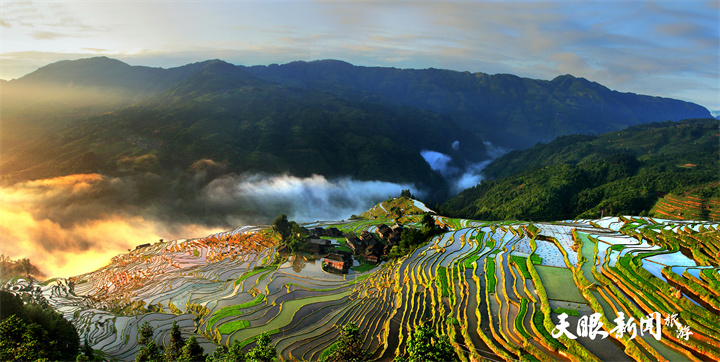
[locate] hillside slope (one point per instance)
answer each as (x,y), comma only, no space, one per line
(495,289)
(620,173)
(224,114)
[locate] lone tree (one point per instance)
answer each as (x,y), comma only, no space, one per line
(281,225)
(349,345)
(192,351)
(149,351)
(176,343)
(263,351)
(426,346)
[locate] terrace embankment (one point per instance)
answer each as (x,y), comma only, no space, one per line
(497,289)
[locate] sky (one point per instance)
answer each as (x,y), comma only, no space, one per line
(663,48)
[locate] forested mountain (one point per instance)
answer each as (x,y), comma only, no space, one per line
(504,109)
(619,173)
(324,117)
(223,113)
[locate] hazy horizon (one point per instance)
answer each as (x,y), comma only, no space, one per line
(663,48)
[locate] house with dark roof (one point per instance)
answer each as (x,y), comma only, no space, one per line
(354,243)
(367,237)
(374,252)
(384,231)
(337,261)
(331,232)
(317,245)
(396,231)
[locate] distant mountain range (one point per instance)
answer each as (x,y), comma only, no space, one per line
(325,117)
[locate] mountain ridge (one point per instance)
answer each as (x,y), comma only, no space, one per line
(254,116)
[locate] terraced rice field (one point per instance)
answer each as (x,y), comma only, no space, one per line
(228,287)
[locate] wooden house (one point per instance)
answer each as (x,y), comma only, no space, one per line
(339,261)
(384,231)
(317,245)
(396,231)
(367,237)
(331,232)
(354,243)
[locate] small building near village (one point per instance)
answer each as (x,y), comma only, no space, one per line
(354,243)
(337,262)
(331,232)
(384,231)
(373,252)
(317,245)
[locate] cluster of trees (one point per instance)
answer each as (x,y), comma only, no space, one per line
(412,238)
(424,345)
(178,348)
(618,184)
(292,235)
(623,172)
(22,267)
(263,351)
(182,350)
(30,332)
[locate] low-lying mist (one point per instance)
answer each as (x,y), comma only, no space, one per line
(74,224)
(461,177)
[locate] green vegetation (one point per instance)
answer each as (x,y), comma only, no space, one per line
(251,273)
(292,236)
(426,345)
(490,274)
(176,343)
(412,238)
(364,267)
(348,346)
(617,247)
(586,179)
(33,332)
(538,321)
(520,262)
(229,327)
(519,319)
(178,349)
(232,310)
(443,280)
(263,350)
(392,209)
(469,261)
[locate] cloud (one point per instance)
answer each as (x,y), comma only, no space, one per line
(96,50)
(74,224)
(48,35)
(302,199)
(439,162)
(461,177)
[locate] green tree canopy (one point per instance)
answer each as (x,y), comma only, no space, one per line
(34,332)
(176,343)
(281,226)
(263,351)
(349,345)
(192,351)
(425,345)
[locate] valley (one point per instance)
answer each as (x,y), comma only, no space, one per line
(495,288)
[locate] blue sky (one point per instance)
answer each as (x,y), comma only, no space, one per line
(663,48)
